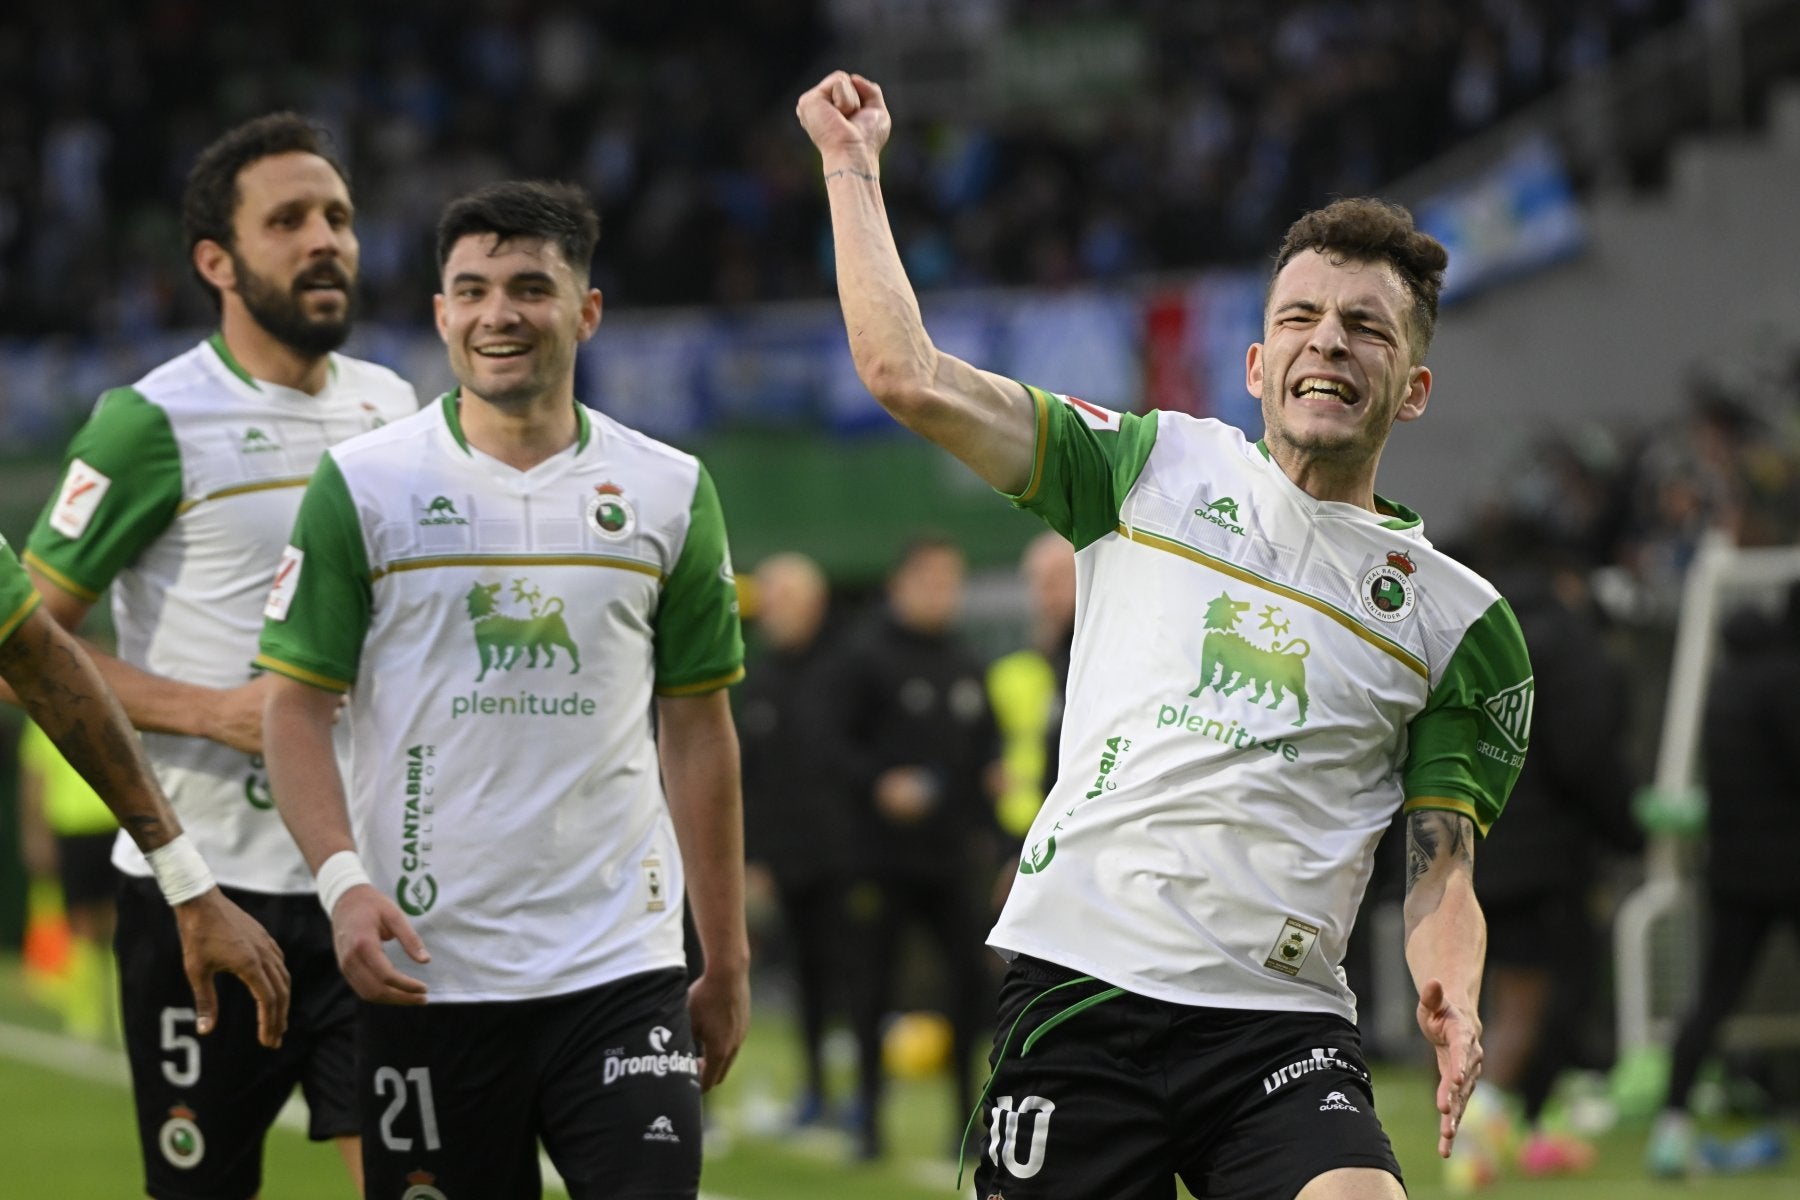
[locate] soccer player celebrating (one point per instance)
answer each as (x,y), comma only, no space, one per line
(178,492)
(509,586)
(57,684)
(1269,660)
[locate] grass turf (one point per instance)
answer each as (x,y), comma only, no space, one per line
(70,1137)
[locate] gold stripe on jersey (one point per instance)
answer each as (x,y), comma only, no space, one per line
(1445,804)
(243,489)
(705,685)
(24,610)
(518,560)
(1040,407)
(55,576)
(1399,653)
(301,674)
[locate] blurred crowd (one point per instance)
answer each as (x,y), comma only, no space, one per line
(1635,502)
(679,120)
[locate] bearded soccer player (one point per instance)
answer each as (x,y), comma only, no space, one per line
(1269,661)
(509,586)
(178,492)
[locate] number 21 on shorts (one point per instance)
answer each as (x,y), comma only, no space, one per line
(388,1081)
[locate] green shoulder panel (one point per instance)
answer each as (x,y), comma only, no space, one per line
(1081,474)
(319,609)
(1467,746)
(121,488)
(17,597)
(699,639)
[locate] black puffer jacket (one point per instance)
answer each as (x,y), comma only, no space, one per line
(1573,797)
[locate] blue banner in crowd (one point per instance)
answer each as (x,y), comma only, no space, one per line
(677,373)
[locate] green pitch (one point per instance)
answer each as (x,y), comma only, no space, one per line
(69,1131)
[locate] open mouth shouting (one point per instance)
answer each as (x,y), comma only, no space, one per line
(1322,390)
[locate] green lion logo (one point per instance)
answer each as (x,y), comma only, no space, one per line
(502,639)
(1229,662)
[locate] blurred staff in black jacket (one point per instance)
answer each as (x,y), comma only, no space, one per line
(1570,807)
(915,742)
(798,827)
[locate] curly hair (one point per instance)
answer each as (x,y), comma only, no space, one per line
(556,212)
(209,202)
(1369,230)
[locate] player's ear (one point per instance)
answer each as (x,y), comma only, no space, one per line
(592,305)
(214,264)
(1418,395)
(1253,369)
(440,314)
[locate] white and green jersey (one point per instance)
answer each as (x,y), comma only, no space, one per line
(502,634)
(1260,680)
(179,492)
(17,597)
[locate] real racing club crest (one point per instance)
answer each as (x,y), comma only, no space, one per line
(1387,592)
(422,1187)
(180,1139)
(609,514)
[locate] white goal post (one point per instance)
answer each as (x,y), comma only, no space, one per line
(1653,933)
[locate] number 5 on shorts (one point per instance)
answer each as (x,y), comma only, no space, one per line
(387,1079)
(176,1044)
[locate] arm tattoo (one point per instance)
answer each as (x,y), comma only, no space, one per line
(1433,837)
(852,172)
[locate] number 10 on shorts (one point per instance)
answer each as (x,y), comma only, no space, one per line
(1003,1134)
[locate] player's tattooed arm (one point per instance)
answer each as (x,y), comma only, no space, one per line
(58,686)
(1436,841)
(1446,947)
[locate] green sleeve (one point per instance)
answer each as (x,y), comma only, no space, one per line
(319,610)
(699,640)
(1467,746)
(17,597)
(126,451)
(1081,474)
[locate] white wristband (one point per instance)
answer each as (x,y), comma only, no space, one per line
(180,871)
(337,875)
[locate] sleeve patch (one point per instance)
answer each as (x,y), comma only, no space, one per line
(1510,713)
(287,582)
(82,490)
(1095,416)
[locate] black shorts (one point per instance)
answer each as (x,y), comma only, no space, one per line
(84,868)
(457,1096)
(1118,1098)
(204,1104)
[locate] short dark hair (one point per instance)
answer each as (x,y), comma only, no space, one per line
(1365,229)
(555,212)
(210,200)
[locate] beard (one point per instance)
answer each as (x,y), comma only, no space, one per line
(281,311)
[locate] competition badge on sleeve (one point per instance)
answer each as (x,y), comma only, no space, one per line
(82,490)
(287,579)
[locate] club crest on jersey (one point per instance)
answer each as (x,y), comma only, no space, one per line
(180,1139)
(609,514)
(1387,592)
